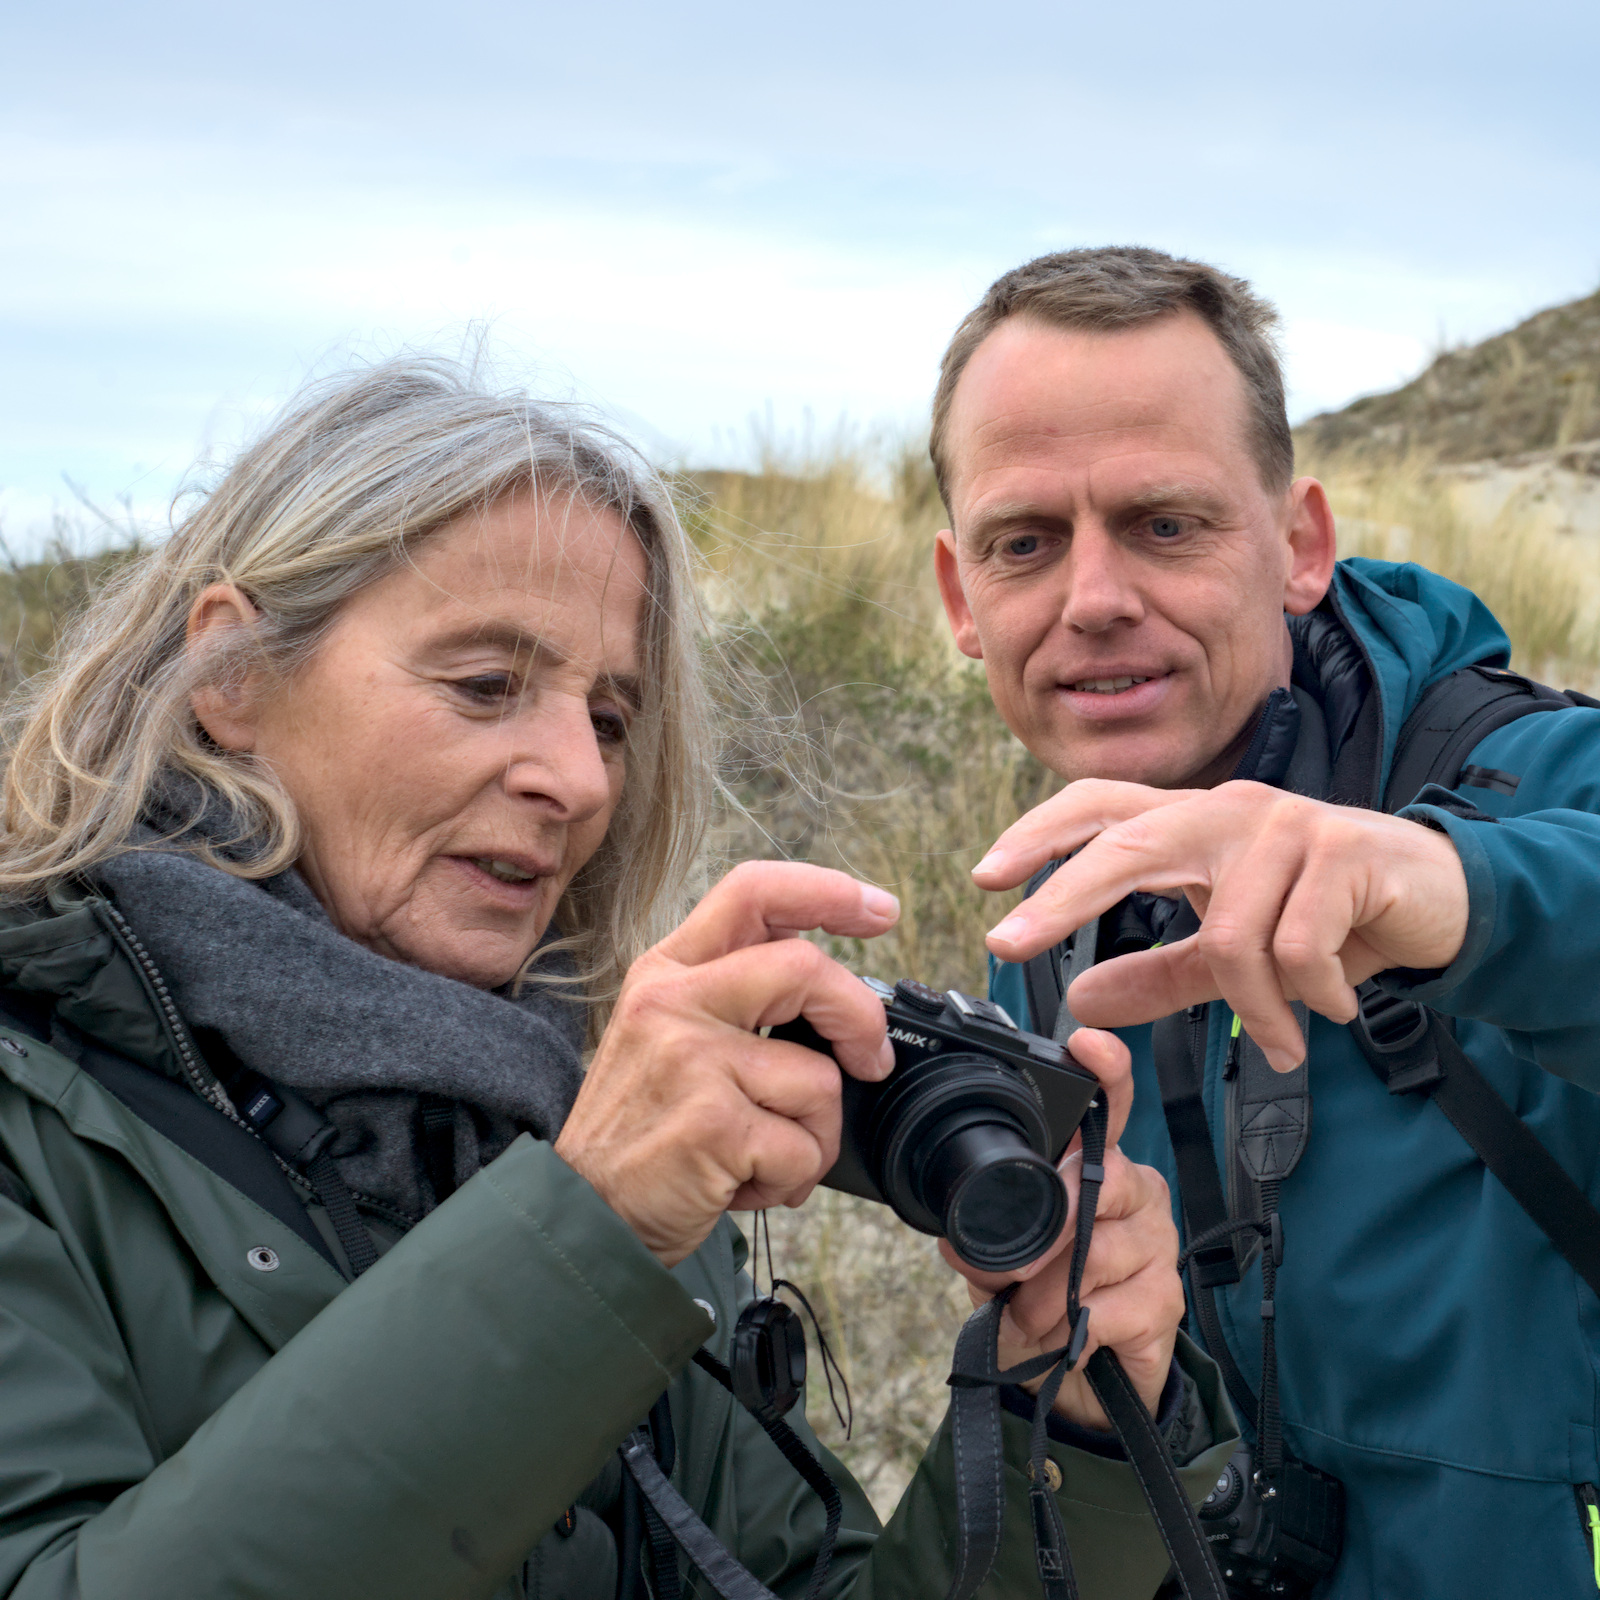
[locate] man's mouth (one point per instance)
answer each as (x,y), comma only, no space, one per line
(1105,685)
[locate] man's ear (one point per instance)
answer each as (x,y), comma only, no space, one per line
(1312,547)
(954,596)
(220,616)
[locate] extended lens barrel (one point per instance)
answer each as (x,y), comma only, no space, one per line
(1001,1203)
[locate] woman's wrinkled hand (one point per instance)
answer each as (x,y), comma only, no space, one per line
(1130,1277)
(686,1111)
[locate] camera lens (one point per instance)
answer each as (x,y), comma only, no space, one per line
(958,1146)
(1001,1203)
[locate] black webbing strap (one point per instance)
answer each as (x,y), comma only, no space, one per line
(710,1556)
(975,1442)
(1042,978)
(1205,1206)
(976,1378)
(663,1550)
(295,1131)
(672,1523)
(1181,1532)
(803,1461)
(1412,1051)
(436,1138)
(1208,1228)
(339,1203)
(1453,718)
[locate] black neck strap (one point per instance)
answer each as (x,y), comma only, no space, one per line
(976,1380)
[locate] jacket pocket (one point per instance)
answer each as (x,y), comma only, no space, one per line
(1589,1514)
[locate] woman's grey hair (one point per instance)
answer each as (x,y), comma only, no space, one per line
(347,482)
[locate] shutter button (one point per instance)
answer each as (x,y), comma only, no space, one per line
(709,1309)
(262,1258)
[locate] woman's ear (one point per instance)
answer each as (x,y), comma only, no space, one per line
(220,615)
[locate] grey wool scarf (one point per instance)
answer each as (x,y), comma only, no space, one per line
(258,970)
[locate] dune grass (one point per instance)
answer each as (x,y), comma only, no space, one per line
(821,580)
(818,579)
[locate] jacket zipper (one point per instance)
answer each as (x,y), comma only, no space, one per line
(1589,1513)
(203,1081)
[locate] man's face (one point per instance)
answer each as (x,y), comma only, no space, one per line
(1116,561)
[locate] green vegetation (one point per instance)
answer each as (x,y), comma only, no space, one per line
(820,579)
(871,744)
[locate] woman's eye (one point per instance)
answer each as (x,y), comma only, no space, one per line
(611,726)
(1166,527)
(487,688)
(1025,544)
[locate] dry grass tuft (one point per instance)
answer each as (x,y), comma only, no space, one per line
(819,577)
(822,580)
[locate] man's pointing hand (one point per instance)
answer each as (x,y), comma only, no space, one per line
(1298,900)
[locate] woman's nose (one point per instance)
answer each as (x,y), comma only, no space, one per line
(558,759)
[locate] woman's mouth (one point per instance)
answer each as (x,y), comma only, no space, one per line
(505,871)
(513,881)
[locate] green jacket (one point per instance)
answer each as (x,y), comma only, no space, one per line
(195,1403)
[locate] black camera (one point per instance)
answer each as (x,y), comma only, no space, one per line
(1281,1542)
(963,1137)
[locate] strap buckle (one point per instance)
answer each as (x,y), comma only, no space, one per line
(1396,1037)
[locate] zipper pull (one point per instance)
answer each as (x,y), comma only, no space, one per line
(1230,1065)
(1589,1510)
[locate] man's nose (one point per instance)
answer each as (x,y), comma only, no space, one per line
(1101,592)
(557,759)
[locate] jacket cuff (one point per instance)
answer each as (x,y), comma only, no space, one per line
(1465,832)
(1194,1416)
(1175,1401)
(592,1243)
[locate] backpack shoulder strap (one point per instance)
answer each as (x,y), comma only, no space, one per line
(1410,1047)
(1413,1051)
(1456,715)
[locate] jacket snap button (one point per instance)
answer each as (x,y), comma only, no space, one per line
(709,1309)
(262,1258)
(15,1048)
(1052,1474)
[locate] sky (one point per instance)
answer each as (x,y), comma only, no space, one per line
(719,223)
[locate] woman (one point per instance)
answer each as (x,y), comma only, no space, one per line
(330,838)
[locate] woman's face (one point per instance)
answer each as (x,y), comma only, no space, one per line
(457,746)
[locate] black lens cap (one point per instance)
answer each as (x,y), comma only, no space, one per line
(919,996)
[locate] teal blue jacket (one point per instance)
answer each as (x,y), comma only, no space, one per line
(1436,1354)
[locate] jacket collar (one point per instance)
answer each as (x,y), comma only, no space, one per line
(70,952)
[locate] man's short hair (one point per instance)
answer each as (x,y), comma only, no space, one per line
(1112,288)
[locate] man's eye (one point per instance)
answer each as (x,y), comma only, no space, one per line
(1166,527)
(1025,544)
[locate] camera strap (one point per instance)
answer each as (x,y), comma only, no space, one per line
(976,1380)
(1274,1128)
(669,1512)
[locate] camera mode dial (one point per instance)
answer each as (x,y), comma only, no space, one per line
(920,996)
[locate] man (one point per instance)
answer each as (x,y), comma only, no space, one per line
(1158,608)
